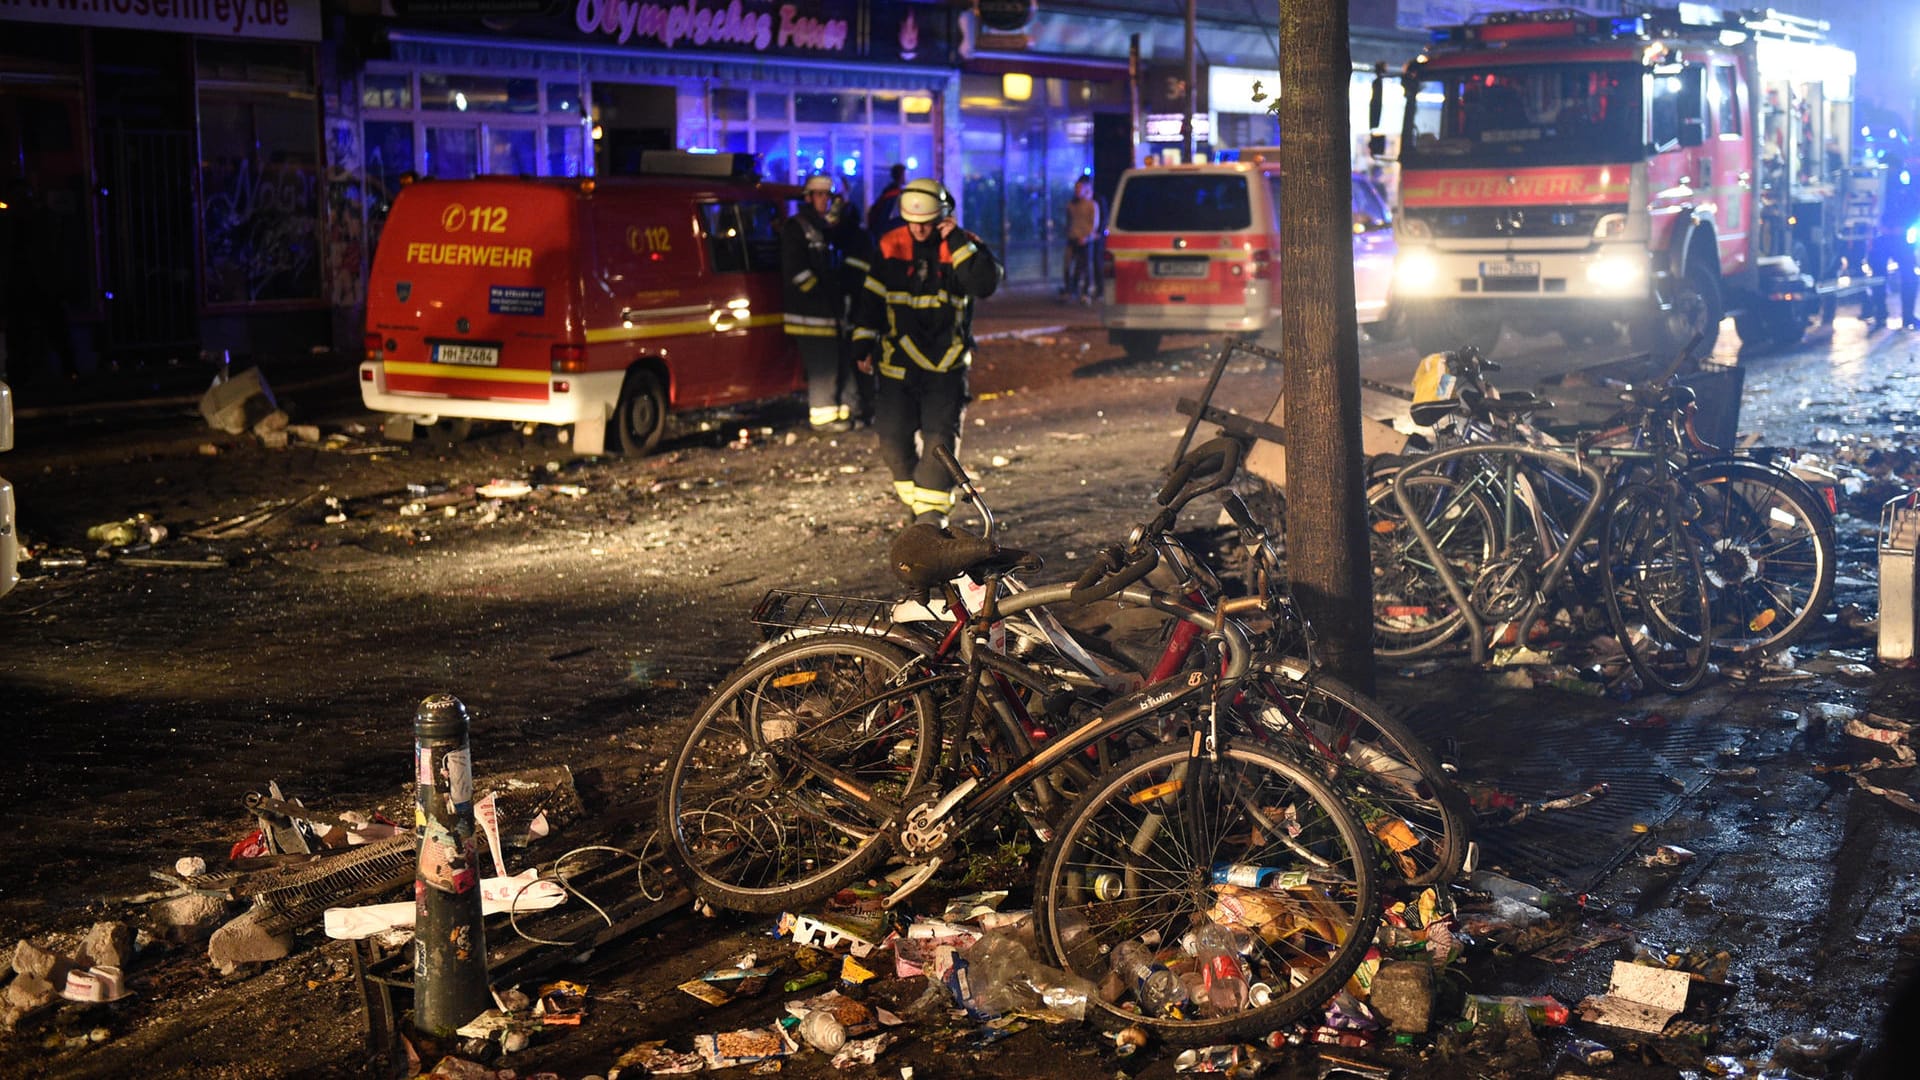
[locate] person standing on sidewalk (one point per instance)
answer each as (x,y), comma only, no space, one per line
(913,325)
(1894,246)
(815,306)
(1083,231)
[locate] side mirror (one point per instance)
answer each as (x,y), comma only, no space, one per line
(1374,100)
(1693,105)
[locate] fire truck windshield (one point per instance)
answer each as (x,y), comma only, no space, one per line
(1514,115)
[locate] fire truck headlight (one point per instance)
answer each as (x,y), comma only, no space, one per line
(1414,273)
(1413,228)
(1610,226)
(1617,274)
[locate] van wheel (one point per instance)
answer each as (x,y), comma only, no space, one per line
(641,417)
(1141,344)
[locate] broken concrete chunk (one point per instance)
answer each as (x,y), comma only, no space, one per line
(245,941)
(190,918)
(108,944)
(233,405)
(29,992)
(31,959)
(1402,993)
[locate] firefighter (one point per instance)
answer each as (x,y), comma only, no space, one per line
(1894,246)
(912,325)
(815,306)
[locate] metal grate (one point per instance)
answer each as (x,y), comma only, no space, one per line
(298,896)
(1535,750)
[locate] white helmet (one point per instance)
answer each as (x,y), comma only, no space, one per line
(818,182)
(924,200)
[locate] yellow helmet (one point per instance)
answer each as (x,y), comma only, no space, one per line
(924,200)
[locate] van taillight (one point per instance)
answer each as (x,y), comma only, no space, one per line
(569,358)
(373,347)
(1262,264)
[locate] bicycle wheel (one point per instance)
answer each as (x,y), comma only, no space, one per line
(1163,844)
(1656,588)
(1413,612)
(1390,777)
(757,830)
(1768,546)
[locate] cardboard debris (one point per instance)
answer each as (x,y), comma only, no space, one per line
(1638,998)
(817,932)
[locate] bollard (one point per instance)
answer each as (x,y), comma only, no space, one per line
(450,942)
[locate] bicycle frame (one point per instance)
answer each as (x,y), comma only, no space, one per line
(1555,569)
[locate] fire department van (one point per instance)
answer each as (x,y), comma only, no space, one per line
(600,304)
(1195,249)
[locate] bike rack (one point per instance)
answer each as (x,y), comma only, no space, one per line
(1559,459)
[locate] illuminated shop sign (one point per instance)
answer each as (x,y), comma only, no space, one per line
(691,22)
(290,20)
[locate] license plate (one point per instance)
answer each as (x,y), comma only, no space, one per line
(1193,266)
(1510,269)
(467,355)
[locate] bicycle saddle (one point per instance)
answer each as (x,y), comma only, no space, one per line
(927,556)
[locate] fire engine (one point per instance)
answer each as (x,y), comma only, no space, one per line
(1571,172)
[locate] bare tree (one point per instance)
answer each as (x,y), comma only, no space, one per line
(1326,512)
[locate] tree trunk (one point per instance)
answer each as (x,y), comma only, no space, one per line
(1326,511)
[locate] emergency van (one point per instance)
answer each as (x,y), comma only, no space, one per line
(1194,249)
(601,304)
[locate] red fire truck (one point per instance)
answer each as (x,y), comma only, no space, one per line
(1580,173)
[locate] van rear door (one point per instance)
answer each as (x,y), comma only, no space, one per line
(1187,237)
(471,288)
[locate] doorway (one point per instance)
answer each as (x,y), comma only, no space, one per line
(630,118)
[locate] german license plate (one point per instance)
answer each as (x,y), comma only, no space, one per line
(1510,269)
(1187,266)
(467,355)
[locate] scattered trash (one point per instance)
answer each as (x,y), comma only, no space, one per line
(1543,1011)
(1668,855)
(1235,1058)
(138,529)
(504,489)
(1638,998)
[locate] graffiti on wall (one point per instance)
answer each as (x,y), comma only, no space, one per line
(262,231)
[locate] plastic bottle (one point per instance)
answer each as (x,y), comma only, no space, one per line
(1158,990)
(1225,975)
(1491,1009)
(1250,876)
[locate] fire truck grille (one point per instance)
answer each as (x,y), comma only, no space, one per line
(1517,222)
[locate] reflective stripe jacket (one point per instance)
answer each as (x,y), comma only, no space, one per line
(813,293)
(917,300)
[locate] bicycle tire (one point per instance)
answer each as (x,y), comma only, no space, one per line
(1382,766)
(1767,542)
(1413,613)
(756,832)
(1129,838)
(1656,588)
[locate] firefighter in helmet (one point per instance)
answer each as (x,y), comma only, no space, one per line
(815,305)
(913,327)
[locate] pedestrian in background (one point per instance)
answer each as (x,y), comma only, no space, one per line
(913,326)
(815,306)
(1895,245)
(849,235)
(884,213)
(1083,231)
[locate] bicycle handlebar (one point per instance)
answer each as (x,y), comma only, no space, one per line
(1118,568)
(1214,461)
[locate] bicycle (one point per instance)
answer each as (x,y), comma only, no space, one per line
(1501,497)
(811,764)
(1766,537)
(1404,795)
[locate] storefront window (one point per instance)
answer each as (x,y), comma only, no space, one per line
(389,156)
(260,192)
(729,104)
(386,92)
(510,151)
(830,108)
(566,147)
(769,106)
(776,159)
(478,93)
(453,152)
(563,97)
(43,136)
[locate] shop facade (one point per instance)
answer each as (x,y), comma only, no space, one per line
(850,87)
(162,173)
